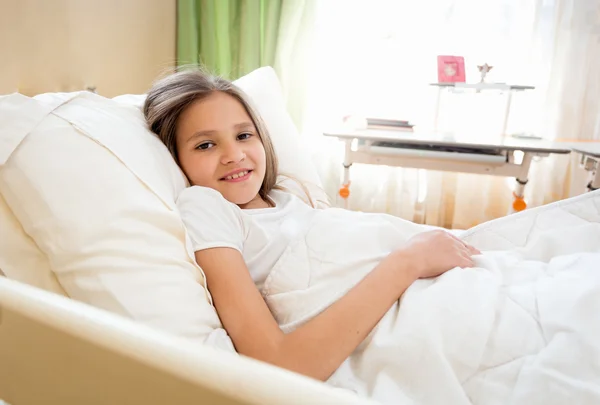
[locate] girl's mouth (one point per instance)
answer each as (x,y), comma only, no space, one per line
(237,177)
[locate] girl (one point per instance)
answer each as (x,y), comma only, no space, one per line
(244,226)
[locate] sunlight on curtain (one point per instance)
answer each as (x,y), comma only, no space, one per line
(377,58)
(231,37)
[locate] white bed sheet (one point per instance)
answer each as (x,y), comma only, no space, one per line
(523,327)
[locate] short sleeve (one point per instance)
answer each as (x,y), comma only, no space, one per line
(211,221)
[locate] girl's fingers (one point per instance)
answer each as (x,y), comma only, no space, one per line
(465,251)
(467,262)
(472,250)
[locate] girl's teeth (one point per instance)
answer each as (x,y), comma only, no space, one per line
(235,176)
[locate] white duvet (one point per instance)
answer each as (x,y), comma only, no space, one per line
(523,327)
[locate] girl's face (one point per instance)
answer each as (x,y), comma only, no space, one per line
(218,147)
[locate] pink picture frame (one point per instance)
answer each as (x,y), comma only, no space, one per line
(451,69)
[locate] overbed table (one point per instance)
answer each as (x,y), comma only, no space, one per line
(493,156)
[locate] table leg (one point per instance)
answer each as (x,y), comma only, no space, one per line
(344,191)
(594,184)
(519,203)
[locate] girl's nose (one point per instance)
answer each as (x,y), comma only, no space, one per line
(233,154)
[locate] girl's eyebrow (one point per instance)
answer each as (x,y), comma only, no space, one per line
(212,132)
(200,134)
(243,125)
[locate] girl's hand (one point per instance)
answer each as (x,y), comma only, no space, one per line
(435,252)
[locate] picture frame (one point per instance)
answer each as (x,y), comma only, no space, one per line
(451,69)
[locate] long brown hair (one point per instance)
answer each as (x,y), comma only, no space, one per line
(171,95)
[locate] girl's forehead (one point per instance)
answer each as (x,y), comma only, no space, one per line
(220,106)
(218,112)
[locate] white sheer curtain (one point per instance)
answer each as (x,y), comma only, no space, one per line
(377,57)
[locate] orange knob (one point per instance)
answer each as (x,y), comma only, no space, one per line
(344,191)
(519,204)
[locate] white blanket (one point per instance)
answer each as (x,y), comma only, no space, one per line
(521,328)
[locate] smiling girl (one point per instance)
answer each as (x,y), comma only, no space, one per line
(243,224)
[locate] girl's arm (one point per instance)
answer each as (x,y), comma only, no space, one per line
(319,347)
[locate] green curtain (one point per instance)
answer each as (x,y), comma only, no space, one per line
(228,37)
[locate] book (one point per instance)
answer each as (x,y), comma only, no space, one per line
(383,122)
(390,128)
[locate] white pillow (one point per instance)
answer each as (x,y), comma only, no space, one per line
(90,195)
(20,257)
(110,231)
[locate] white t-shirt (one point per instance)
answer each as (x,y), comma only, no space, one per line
(260,235)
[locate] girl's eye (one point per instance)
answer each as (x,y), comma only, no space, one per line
(244,136)
(205,146)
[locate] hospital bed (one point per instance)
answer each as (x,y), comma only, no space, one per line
(54,350)
(103,302)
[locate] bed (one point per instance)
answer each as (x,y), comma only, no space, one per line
(54,350)
(103,301)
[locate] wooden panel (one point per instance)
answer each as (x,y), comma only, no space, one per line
(118,46)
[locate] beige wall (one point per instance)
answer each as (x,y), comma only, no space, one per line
(118,46)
